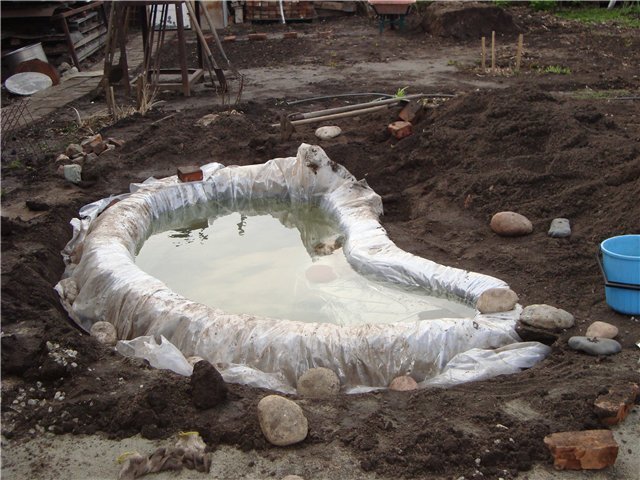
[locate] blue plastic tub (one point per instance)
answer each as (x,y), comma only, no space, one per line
(621,268)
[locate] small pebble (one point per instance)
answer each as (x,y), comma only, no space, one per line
(511,224)
(318,382)
(560,228)
(403,383)
(602,330)
(327,133)
(497,300)
(595,346)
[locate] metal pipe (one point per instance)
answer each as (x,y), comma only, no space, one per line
(348,108)
(353,113)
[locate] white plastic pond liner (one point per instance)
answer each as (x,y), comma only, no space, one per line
(102,283)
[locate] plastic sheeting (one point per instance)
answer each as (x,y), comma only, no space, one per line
(102,283)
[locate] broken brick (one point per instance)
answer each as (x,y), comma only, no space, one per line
(190,173)
(257,36)
(614,407)
(229,38)
(94,144)
(586,450)
(115,141)
(400,129)
(412,112)
(290,35)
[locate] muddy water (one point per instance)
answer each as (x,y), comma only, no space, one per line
(276,261)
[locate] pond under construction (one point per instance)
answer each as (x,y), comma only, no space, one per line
(278,260)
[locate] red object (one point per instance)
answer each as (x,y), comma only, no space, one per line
(400,129)
(586,450)
(190,173)
(257,36)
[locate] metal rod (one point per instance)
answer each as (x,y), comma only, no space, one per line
(353,113)
(348,108)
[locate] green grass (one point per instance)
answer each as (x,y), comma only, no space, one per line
(557,69)
(629,16)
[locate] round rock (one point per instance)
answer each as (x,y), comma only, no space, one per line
(318,383)
(510,224)
(282,421)
(602,330)
(560,228)
(327,133)
(546,316)
(595,346)
(320,274)
(497,300)
(403,383)
(105,333)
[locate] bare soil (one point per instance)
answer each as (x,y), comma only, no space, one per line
(541,144)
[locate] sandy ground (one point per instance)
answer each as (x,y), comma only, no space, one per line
(71,457)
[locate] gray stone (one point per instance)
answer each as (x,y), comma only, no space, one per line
(510,224)
(318,383)
(546,316)
(595,346)
(497,300)
(73,173)
(73,149)
(293,477)
(90,158)
(559,228)
(327,133)
(403,383)
(282,421)
(105,333)
(602,330)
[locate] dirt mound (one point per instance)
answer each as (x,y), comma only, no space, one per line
(464,21)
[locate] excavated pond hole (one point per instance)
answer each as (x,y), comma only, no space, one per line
(277,260)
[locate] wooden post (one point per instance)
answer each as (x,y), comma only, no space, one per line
(484,55)
(493,52)
(112,100)
(519,52)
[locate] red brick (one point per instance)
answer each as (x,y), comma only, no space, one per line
(229,38)
(190,173)
(614,407)
(254,37)
(586,450)
(400,129)
(95,146)
(290,35)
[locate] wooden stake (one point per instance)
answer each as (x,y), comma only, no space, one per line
(519,52)
(493,52)
(484,55)
(112,99)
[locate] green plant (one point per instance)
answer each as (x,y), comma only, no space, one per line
(557,69)
(540,5)
(502,3)
(15,164)
(401,92)
(629,15)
